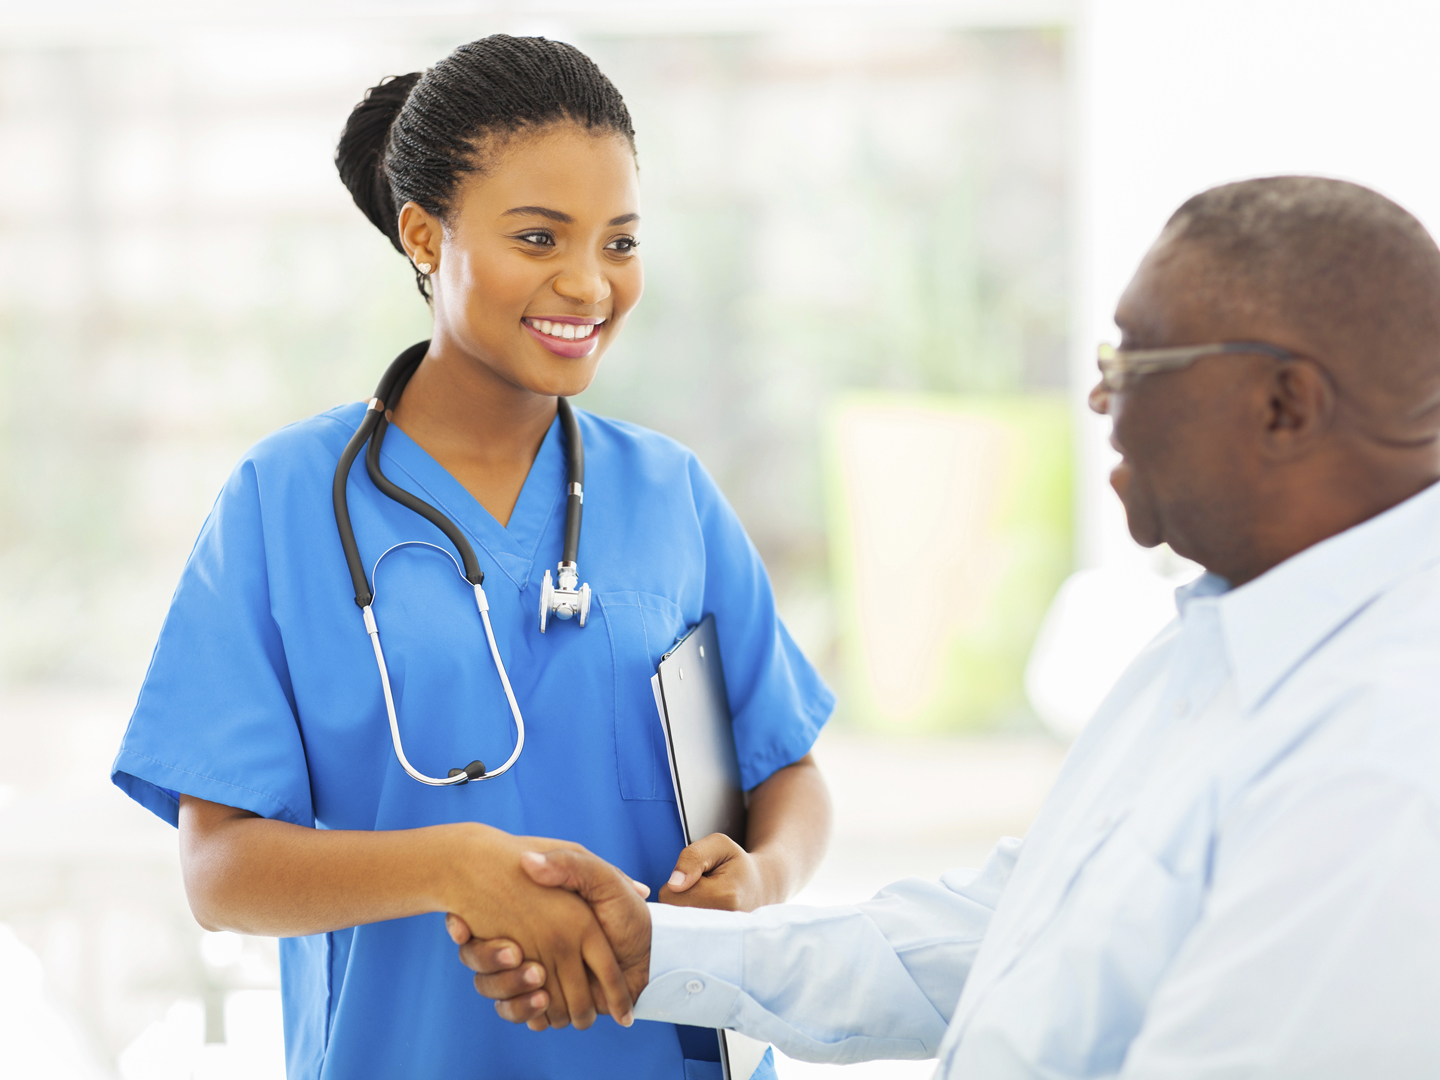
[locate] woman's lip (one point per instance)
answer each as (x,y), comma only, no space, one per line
(572,319)
(571,350)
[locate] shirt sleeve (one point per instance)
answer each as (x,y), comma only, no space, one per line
(1318,952)
(778,701)
(216,714)
(841,984)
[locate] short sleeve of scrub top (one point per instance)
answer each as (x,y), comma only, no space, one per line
(263,694)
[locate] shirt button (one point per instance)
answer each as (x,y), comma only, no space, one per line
(694,986)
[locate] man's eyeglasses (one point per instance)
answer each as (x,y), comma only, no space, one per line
(1119,366)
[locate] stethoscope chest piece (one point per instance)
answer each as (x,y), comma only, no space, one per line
(566,600)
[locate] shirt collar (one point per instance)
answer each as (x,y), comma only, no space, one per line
(1207,584)
(1273,623)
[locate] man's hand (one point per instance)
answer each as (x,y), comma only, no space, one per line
(496,894)
(716,872)
(618,905)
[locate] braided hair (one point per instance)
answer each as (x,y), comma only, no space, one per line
(413,136)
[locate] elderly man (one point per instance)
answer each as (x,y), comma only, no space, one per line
(1238,871)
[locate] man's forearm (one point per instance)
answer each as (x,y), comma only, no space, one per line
(877,979)
(822,984)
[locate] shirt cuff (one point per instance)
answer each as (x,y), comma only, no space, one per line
(697,959)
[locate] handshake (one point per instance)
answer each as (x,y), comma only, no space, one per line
(575,967)
(559,936)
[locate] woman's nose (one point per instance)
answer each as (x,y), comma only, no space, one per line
(583,283)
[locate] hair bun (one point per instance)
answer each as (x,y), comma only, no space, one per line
(360,155)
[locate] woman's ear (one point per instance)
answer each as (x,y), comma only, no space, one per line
(420,233)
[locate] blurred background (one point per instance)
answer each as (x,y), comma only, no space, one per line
(881,242)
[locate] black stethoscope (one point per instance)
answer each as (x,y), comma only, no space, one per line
(565,599)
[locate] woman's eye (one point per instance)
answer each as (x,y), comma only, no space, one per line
(623,244)
(541,238)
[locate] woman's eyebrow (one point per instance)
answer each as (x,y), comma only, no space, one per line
(561,216)
(540,211)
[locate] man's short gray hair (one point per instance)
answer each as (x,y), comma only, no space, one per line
(1355,274)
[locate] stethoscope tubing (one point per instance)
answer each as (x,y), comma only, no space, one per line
(372,628)
(399,369)
(369,436)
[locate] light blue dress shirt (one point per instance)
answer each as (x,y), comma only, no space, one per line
(1237,873)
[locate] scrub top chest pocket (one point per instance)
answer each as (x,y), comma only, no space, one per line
(642,626)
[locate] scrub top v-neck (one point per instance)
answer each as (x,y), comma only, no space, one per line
(263,695)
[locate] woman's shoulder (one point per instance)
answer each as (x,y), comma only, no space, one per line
(298,459)
(630,445)
(304,446)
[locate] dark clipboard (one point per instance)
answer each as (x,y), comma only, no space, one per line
(694,708)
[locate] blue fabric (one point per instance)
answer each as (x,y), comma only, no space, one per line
(710,1070)
(263,694)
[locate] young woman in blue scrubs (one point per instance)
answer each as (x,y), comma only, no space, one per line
(506,175)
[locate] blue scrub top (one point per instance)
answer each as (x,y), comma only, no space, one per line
(263,694)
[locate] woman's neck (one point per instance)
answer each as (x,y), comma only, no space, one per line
(482,429)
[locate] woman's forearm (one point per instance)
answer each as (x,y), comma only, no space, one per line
(788,827)
(257,876)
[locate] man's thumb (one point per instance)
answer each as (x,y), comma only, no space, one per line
(568,870)
(546,871)
(580,873)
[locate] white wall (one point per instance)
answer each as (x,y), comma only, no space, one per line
(1172,97)
(1179,95)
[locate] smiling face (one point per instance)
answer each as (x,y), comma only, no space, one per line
(1243,459)
(1192,441)
(536,267)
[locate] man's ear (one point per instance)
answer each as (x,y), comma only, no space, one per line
(420,234)
(1301,406)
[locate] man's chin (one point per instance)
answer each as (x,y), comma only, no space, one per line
(1142,526)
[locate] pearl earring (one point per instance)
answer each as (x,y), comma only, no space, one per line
(424,268)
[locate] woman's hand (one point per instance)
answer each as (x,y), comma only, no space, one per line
(716,872)
(554,928)
(257,876)
(713,872)
(788,827)
(517,984)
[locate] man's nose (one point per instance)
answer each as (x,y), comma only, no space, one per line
(1099,398)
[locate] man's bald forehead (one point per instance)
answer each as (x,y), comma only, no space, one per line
(1352,274)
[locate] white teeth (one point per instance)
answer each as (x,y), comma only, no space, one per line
(564,331)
